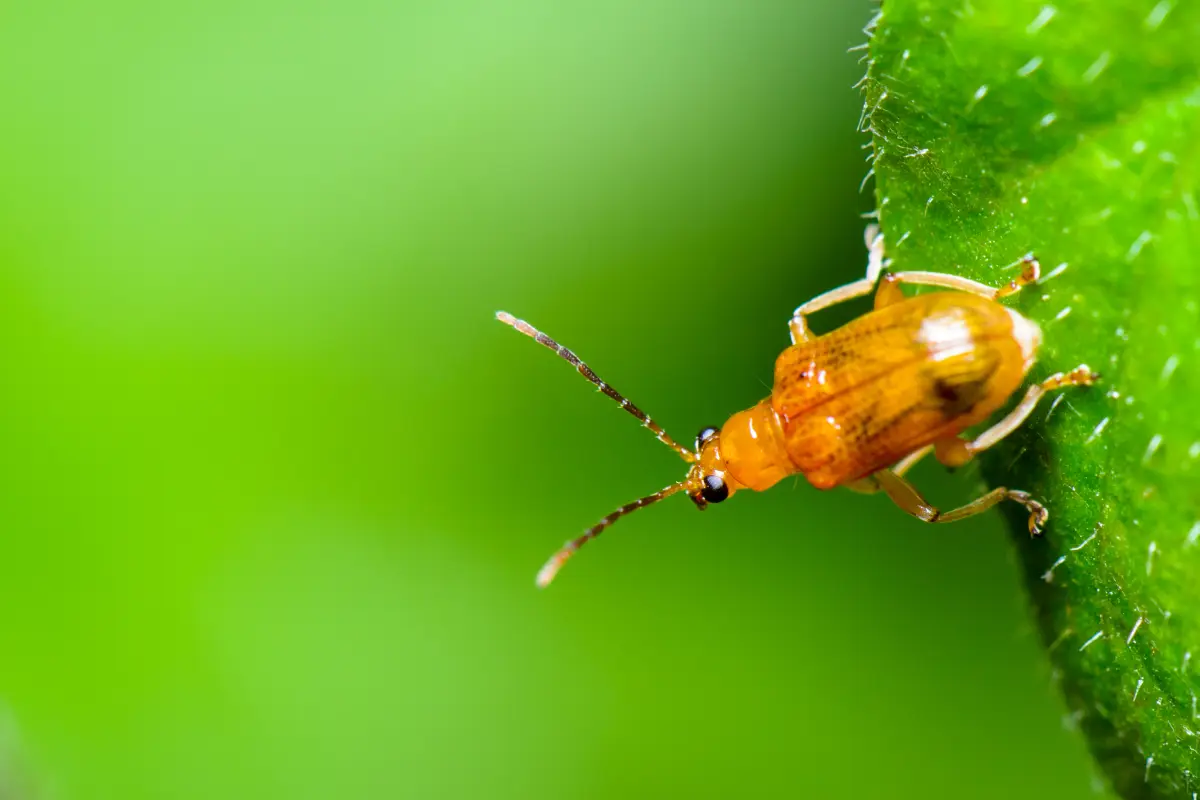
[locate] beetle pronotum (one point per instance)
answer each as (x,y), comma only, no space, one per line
(858,406)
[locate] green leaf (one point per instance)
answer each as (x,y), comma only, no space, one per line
(1001,127)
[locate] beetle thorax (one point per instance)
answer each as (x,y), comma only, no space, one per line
(748,452)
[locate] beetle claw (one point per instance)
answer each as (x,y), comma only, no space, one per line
(1038,514)
(1037,517)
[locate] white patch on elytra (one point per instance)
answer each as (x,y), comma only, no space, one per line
(1028,336)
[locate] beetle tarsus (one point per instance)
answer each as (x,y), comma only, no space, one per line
(1031,272)
(1038,513)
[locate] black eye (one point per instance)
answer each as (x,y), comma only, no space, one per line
(714,490)
(705,435)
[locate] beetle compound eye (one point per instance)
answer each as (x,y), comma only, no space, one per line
(714,490)
(704,435)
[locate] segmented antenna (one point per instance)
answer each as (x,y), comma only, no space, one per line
(547,573)
(586,371)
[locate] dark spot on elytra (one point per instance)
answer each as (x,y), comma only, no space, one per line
(945,391)
(957,397)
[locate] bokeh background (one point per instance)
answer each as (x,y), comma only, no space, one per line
(275,484)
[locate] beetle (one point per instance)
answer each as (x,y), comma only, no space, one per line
(859,406)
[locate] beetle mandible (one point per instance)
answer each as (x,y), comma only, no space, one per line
(859,406)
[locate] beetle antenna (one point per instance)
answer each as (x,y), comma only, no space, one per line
(586,371)
(547,573)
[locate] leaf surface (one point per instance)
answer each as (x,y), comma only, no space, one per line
(1072,131)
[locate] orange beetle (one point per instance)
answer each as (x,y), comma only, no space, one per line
(859,406)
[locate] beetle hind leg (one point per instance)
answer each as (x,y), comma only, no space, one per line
(955,452)
(904,495)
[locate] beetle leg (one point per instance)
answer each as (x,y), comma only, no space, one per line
(874,240)
(952,451)
(955,452)
(798,325)
(905,464)
(945,281)
(869,485)
(908,499)
(1031,270)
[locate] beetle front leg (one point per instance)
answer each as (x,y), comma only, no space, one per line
(1031,270)
(798,324)
(909,499)
(955,452)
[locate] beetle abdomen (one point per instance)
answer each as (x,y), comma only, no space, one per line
(862,397)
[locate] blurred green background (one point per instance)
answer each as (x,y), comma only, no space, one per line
(275,483)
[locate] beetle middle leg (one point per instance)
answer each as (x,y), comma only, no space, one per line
(954,452)
(869,485)
(910,500)
(905,464)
